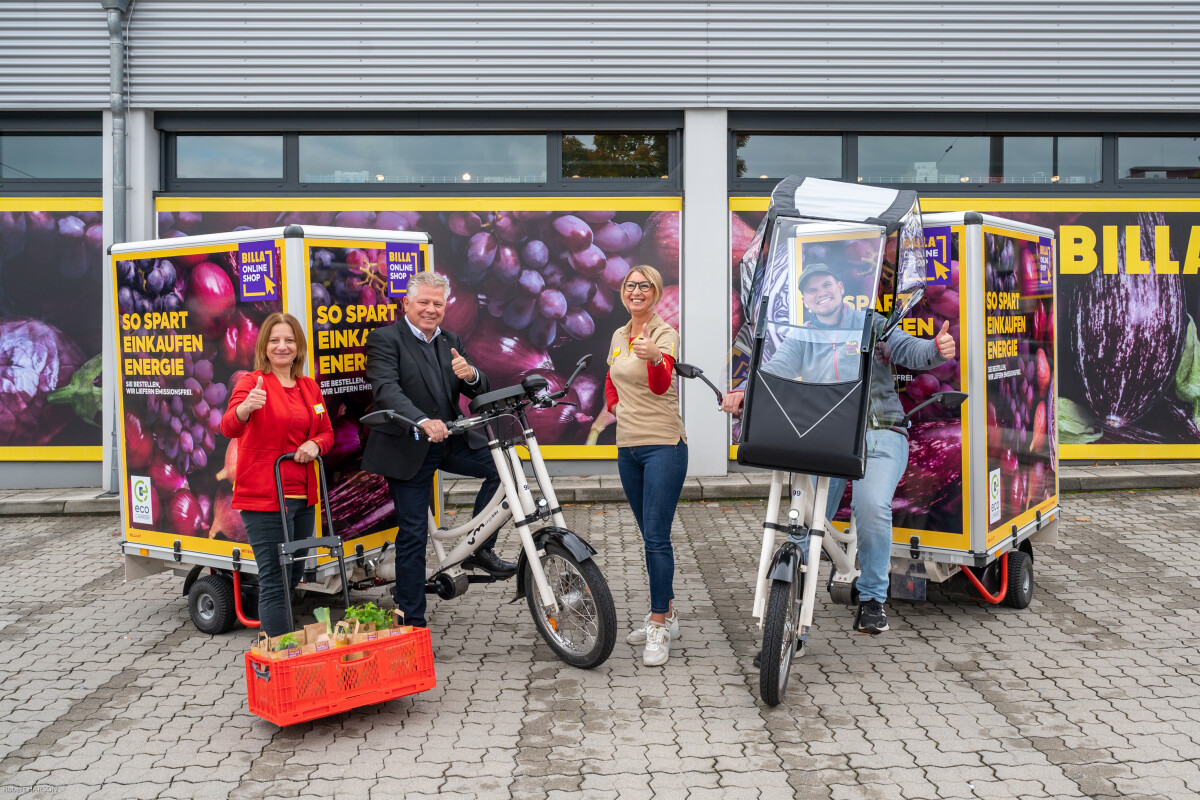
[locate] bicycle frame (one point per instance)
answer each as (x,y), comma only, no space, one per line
(842,548)
(514,493)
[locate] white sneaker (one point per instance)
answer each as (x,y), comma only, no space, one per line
(639,636)
(658,645)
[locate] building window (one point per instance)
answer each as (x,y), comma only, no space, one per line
(775,156)
(979,159)
(517,153)
(50,156)
(217,157)
(1158,158)
(423,158)
(615,155)
(922,159)
(1048,159)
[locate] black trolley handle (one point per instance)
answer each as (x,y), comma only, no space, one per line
(331,541)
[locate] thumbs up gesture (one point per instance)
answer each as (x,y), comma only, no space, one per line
(944,341)
(461,368)
(645,349)
(256,399)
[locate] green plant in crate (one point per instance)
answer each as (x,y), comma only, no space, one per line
(368,613)
(288,641)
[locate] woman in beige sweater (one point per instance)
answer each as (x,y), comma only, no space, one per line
(652,449)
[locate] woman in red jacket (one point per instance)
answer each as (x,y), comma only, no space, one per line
(276,410)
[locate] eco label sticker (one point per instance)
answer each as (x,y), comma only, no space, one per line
(403,261)
(256,271)
(994,496)
(141,500)
(937,256)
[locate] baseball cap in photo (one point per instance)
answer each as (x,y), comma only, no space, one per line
(812,271)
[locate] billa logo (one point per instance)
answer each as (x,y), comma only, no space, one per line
(256,270)
(142,505)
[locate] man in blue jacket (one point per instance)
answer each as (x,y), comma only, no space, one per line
(826,349)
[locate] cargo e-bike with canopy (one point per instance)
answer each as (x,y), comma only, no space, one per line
(808,387)
(981,483)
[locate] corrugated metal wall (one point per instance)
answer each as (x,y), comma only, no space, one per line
(53,54)
(847,54)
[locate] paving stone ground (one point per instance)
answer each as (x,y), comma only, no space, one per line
(108,691)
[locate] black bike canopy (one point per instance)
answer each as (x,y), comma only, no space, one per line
(823,247)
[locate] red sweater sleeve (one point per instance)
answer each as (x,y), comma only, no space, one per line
(231,426)
(324,435)
(610,393)
(659,377)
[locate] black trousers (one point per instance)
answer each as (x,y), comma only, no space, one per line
(412,502)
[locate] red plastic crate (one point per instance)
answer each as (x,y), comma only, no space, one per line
(307,687)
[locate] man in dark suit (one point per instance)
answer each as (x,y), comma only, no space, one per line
(419,370)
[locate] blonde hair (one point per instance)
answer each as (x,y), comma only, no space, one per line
(653,275)
(261,362)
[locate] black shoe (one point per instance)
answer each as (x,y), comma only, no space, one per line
(492,564)
(870,617)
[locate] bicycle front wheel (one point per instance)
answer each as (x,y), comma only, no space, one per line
(583,630)
(780,629)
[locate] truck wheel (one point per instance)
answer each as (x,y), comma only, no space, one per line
(1020,580)
(210,603)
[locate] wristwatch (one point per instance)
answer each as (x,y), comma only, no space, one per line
(657,363)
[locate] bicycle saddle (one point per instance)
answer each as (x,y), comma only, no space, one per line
(500,397)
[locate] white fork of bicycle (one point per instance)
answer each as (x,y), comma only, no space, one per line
(514,497)
(808,501)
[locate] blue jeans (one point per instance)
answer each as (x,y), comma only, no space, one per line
(887,456)
(264,531)
(652,477)
(412,503)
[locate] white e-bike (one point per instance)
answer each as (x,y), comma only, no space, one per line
(785,587)
(567,594)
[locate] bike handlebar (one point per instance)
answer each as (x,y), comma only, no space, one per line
(540,398)
(686,370)
(949,399)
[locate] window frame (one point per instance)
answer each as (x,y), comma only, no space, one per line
(1155,182)
(850,125)
(172,161)
(53,125)
(552,125)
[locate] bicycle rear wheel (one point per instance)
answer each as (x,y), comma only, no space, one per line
(780,629)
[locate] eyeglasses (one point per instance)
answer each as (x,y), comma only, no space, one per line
(645,286)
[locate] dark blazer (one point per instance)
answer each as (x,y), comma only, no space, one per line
(400,378)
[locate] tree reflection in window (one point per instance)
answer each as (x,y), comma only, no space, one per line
(615,155)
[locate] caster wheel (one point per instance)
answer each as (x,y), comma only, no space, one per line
(210,603)
(1020,580)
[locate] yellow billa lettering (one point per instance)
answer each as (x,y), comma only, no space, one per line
(1163,264)
(1111,245)
(1134,264)
(1078,250)
(1191,261)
